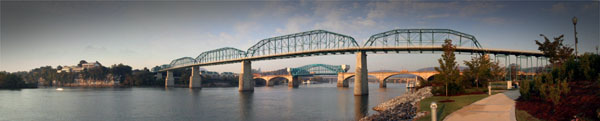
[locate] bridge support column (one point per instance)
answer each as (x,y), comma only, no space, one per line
(295,82)
(246,83)
(170,80)
(195,80)
(361,86)
(340,80)
(268,83)
(382,84)
(381,79)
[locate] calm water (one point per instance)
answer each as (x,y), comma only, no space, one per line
(308,102)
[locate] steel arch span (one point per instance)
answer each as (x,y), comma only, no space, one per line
(182,61)
(226,53)
(421,37)
(318,69)
(303,41)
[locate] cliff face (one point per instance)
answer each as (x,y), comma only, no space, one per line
(400,108)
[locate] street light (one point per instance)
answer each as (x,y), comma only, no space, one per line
(575,29)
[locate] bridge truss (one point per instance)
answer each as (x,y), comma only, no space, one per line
(310,70)
(318,42)
(318,69)
(226,53)
(304,41)
(421,37)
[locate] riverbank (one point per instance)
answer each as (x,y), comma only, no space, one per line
(400,108)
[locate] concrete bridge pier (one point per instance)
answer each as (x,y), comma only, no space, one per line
(361,86)
(170,80)
(246,82)
(381,79)
(382,83)
(341,82)
(295,82)
(195,80)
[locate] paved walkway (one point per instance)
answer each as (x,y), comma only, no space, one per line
(498,107)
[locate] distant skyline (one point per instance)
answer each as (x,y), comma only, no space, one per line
(147,34)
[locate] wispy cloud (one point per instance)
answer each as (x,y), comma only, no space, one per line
(493,20)
(435,16)
(294,24)
(559,8)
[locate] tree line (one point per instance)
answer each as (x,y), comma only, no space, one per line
(48,76)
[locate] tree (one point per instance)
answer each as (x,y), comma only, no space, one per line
(121,72)
(555,50)
(98,63)
(81,63)
(496,71)
(11,81)
(448,70)
(482,69)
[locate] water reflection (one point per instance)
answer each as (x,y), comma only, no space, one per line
(195,91)
(315,102)
(361,106)
(246,105)
(342,100)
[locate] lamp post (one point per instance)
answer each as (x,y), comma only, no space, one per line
(575,30)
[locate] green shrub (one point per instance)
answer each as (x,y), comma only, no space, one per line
(525,89)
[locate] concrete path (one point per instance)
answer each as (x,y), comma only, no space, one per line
(498,107)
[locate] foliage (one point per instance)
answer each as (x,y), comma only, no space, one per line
(481,70)
(582,100)
(555,50)
(142,78)
(96,73)
(551,88)
(448,71)
(121,71)
(81,63)
(568,89)
(11,81)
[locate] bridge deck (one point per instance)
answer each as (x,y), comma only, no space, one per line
(367,49)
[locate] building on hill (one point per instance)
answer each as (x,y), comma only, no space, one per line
(77,68)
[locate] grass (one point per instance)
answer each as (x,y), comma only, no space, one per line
(524,116)
(445,109)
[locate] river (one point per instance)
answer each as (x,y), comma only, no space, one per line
(314,102)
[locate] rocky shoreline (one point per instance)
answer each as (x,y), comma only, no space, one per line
(401,108)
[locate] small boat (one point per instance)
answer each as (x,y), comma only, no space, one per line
(59,89)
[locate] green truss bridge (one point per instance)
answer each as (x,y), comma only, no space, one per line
(322,43)
(292,74)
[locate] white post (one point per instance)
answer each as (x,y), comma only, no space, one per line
(433,107)
(509,85)
(489,89)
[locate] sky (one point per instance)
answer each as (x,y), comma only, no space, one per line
(145,34)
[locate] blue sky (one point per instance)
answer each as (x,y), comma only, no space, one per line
(145,34)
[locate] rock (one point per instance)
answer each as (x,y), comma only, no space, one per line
(401,108)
